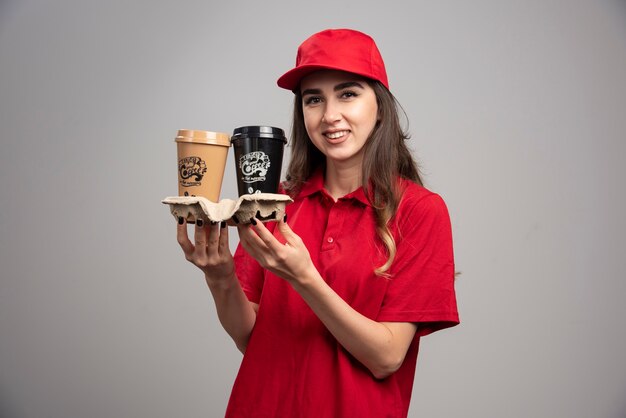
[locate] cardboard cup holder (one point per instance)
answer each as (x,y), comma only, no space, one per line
(265,207)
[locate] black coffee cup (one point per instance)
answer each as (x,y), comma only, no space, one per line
(258,158)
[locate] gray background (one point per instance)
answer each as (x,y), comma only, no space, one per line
(518,116)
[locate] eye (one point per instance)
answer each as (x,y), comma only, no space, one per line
(348,94)
(311,100)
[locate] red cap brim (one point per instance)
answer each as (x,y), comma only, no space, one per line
(291,79)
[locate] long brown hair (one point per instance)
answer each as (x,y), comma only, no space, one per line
(386,157)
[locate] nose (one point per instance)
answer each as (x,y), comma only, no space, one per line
(332,112)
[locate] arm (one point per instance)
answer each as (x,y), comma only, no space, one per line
(210,253)
(379,346)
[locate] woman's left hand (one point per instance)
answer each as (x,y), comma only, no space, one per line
(288,259)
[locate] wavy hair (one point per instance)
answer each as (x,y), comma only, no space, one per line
(385,158)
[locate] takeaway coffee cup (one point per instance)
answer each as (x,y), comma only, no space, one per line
(201,162)
(258,158)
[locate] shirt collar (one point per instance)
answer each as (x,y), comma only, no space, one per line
(315,184)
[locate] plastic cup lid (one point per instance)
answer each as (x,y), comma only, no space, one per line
(256,131)
(203,137)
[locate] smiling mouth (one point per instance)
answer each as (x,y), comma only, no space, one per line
(336,135)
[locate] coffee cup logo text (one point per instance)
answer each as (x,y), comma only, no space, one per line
(254,166)
(189,167)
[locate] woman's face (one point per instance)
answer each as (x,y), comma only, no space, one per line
(340,112)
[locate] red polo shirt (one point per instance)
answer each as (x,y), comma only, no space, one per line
(293,366)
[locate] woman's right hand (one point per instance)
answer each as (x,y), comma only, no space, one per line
(210,251)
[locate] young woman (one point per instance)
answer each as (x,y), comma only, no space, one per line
(328,305)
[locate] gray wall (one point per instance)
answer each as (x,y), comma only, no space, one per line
(518,116)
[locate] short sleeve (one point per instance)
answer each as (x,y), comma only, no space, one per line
(249,273)
(421,286)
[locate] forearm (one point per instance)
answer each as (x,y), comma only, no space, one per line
(378,346)
(381,347)
(236,314)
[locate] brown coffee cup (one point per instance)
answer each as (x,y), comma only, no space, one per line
(201,162)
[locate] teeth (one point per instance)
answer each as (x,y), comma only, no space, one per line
(335,135)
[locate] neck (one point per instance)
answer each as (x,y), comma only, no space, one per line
(342,179)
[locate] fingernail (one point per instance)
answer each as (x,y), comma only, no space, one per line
(285,218)
(252,221)
(199,223)
(223,225)
(181,220)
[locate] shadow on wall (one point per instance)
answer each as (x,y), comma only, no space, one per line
(6,6)
(6,407)
(621,7)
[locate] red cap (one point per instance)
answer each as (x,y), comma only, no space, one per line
(336,49)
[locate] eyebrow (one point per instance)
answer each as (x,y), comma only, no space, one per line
(338,87)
